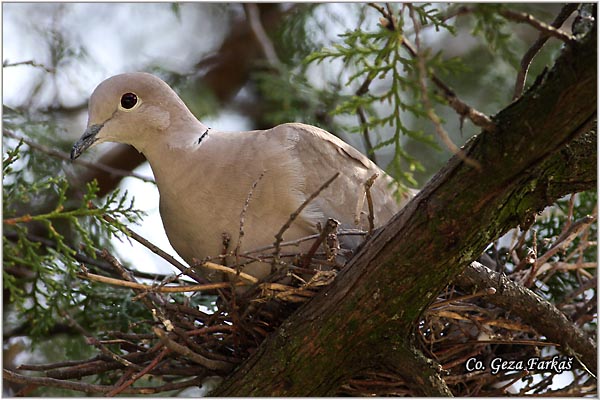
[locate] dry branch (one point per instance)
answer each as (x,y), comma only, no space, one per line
(95,389)
(231,271)
(213,365)
(294,215)
(528,57)
(437,123)
(138,375)
(330,227)
(538,25)
(156,250)
(153,288)
(371,217)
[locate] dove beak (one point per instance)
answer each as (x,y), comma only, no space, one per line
(87,139)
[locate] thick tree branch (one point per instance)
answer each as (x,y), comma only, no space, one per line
(532,309)
(366,315)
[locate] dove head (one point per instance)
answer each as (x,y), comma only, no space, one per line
(134,108)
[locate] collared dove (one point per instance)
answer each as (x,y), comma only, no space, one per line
(205,176)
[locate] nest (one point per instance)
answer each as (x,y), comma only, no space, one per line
(183,345)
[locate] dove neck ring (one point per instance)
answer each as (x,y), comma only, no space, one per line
(205,134)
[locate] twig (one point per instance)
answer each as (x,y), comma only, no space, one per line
(565,12)
(46,367)
(294,215)
(96,343)
(83,258)
(138,375)
(156,250)
(245,208)
(122,379)
(92,388)
(539,25)
(364,88)
(368,185)
(566,237)
(462,10)
(152,288)
(480,293)
(30,63)
(98,364)
(64,156)
(222,268)
(389,18)
(225,241)
(517,376)
(366,135)
(330,226)
(253,16)
(590,283)
(152,303)
(532,257)
(213,365)
(568,234)
(478,118)
(422,73)
(389,23)
(210,329)
(463,109)
(296,242)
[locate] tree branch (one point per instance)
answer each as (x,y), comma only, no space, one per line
(477,118)
(31,63)
(532,309)
(437,122)
(539,25)
(93,388)
(566,11)
(268,50)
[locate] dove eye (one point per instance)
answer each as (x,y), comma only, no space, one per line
(129,100)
